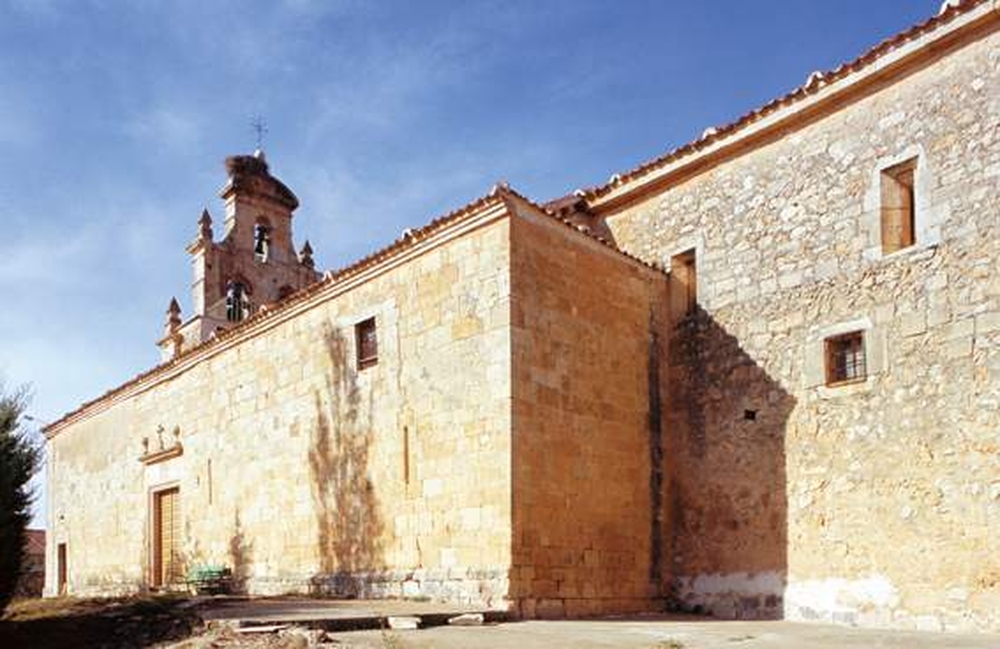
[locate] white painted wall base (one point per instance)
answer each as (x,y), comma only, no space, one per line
(843,601)
(870,601)
(734,596)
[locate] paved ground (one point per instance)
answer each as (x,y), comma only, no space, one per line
(700,634)
(652,632)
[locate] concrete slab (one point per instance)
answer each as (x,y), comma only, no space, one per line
(333,615)
(662,634)
(295,608)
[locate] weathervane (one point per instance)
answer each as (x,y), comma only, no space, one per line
(260,127)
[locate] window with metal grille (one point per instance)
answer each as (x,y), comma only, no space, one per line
(845,358)
(366,339)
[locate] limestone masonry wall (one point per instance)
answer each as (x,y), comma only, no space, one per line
(301,472)
(588,500)
(876,502)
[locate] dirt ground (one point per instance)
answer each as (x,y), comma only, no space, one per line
(70,622)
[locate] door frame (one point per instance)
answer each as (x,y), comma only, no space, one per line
(153,576)
(62,568)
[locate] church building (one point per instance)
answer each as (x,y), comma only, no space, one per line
(756,377)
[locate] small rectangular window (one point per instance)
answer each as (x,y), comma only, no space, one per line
(845,358)
(366,339)
(898,207)
(684,272)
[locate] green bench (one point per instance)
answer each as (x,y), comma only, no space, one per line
(210,580)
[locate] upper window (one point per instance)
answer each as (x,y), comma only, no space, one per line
(845,358)
(684,272)
(898,207)
(366,339)
(237,302)
(261,242)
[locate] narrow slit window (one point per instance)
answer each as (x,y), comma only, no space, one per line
(845,358)
(898,207)
(366,338)
(684,271)
(406,455)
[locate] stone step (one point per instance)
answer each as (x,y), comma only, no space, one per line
(372,622)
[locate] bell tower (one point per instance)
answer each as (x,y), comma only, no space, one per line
(253,265)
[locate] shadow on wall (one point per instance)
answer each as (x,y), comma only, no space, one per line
(727,419)
(240,556)
(349,526)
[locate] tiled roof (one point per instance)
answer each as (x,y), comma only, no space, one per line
(409,238)
(553,210)
(816,82)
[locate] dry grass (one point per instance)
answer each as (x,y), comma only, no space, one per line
(75,622)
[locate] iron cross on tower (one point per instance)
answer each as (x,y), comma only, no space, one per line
(260,128)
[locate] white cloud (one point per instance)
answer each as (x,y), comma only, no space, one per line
(165,127)
(50,254)
(62,369)
(43,258)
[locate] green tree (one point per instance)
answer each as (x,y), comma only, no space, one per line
(19,459)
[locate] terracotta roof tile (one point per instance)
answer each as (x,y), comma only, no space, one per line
(552,209)
(409,238)
(815,82)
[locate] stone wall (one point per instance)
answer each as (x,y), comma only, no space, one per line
(588,499)
(302,473)
(876,503)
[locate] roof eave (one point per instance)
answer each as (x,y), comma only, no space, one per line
(454,224)
(803,105)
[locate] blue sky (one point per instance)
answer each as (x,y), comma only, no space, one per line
(115,118)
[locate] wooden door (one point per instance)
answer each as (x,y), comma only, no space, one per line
(166,537)
(898,215)
(61,569)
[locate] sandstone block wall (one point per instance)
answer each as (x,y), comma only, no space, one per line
(588,489)
(302,473)
(429,474)
(876,503)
